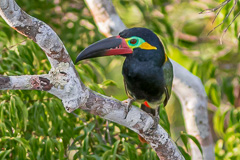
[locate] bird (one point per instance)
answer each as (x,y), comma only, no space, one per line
(147,70)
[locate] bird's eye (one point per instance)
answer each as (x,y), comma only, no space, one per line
(133,41)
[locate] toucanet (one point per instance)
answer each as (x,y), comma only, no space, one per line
(147,71)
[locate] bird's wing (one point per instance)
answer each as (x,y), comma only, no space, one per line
(168,77)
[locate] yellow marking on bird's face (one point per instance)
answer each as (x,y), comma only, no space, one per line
(147,46)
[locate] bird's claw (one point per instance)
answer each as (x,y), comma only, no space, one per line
(128,103)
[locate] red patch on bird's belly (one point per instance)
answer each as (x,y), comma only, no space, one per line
(146,104)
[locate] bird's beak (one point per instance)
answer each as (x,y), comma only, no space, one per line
(106,47)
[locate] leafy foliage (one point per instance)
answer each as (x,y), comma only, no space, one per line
(34,125)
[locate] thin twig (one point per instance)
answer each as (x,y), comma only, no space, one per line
(216,8)
(108,133)
(99,131)
(225,30)
(5,49)
(235,3)
(219,9)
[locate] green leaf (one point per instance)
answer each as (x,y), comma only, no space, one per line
(109,83)
(228,89)
(194,140)
(107,155)
(215,94)
(3,154)
(219,120)
(184,153)
(114,150)
(184,138)
(22,141)
(164,122)
(212,89)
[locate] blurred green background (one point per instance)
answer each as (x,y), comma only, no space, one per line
(34,124)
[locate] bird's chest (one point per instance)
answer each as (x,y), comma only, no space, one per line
(143,80)
(141,72)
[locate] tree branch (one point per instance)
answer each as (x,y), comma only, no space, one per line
(193,98)
(65,83)
(36,30)
(188,87)
(28,82)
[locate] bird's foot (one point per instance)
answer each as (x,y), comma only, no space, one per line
(154,126)
(128,103)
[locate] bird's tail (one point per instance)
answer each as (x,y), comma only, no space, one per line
(145,107)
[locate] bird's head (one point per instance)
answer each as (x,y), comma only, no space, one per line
(127,42)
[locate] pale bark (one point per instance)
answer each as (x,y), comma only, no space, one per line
(187,87)
(63,81)
(192,96)
(28,82)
